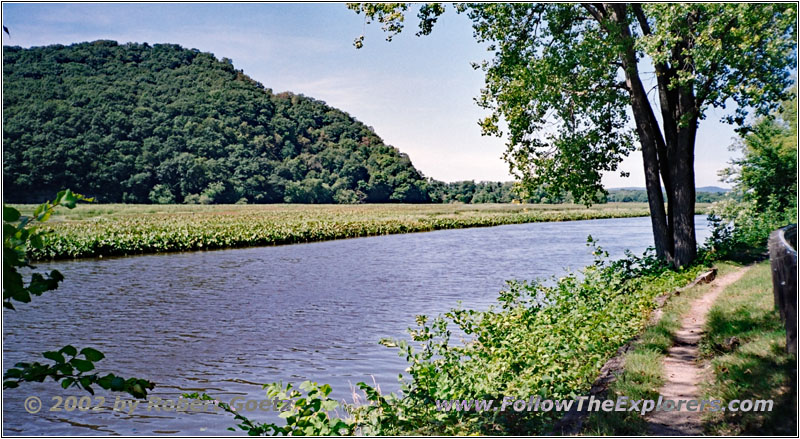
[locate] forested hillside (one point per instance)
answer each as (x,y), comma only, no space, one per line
(137,123)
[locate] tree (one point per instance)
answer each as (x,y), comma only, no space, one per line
(767,172)
(564,78)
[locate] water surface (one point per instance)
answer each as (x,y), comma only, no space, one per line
(226,321)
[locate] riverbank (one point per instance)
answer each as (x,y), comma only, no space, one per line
(735,350)
(557,349)
(92,230)
(642,374)
(540,339)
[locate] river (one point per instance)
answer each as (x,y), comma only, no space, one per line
(226,321)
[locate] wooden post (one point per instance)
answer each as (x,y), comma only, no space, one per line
(783,260)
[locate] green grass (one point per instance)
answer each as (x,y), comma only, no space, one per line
(119,229)
(757,367)
(642,376)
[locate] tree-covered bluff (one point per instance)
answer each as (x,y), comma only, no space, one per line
(140,123)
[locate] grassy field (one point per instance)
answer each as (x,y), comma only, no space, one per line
(119,229)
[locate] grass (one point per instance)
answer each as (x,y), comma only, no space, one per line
(642,376)
(117,229)
(755,365)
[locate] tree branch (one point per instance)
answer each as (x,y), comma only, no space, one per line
(596,13)
(705,89)
(640,17)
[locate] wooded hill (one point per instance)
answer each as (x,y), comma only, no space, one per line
(139,123)
(136,123)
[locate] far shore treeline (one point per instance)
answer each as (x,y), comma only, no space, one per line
(139,123)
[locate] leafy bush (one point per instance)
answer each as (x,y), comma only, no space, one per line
(766,173)
(766,178)
(161,195)
(740,227)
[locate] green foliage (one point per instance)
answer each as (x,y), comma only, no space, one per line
(72,371)
(739,51)
(161,124)
(766,178)
(20,239)
(161,195)
(767,172)
(120,230)
(756,366)
(740,228)
(306,412)
(549,340)
(470,192)
(496,192)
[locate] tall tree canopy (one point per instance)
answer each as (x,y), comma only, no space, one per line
(566,77)
(767,171)
(138,123)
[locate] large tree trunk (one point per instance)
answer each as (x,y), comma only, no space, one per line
(682,195)
(662,235)
(650,138)
(668,156)
(683,228)
(647,129)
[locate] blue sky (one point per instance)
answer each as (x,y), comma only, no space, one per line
(416,92)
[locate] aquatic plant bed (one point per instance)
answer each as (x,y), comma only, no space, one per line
(92,230)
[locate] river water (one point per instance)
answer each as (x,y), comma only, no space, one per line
(226,321)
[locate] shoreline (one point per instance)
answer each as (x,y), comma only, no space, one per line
(216,227)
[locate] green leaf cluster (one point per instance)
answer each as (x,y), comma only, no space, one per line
(767,171)
(765,179)
(72,371)
(19,240)
(307,412)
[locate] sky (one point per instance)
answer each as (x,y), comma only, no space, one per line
(416,92)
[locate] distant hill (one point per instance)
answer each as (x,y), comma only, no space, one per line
(705,194)
(712,189)
(137,123)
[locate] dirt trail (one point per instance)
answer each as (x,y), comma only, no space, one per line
(681,368)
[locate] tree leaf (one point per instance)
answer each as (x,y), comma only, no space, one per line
(81,365)
(69,350)
(117,384)
(55,356)
(92,354)
(10,214)
(12,373)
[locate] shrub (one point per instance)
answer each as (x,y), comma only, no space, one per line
(161,195)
